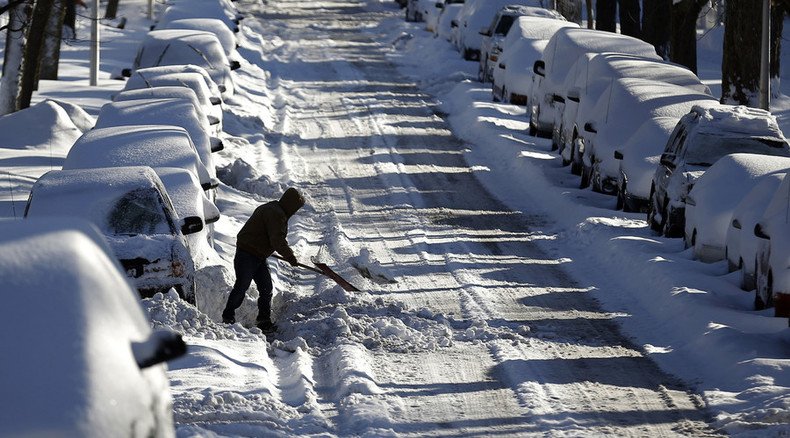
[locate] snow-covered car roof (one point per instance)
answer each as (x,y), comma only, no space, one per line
(175,112)
(619,65)
(225,36)
(137,145)
(534,28)
(168,92)
(185,47)
(484,12)
(738,119)
(198,9)
(71,369)
(146,77)
(51,121)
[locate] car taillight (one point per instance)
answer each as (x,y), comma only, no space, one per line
(178,268)
(493,57)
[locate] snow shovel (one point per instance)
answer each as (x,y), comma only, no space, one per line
(325,270)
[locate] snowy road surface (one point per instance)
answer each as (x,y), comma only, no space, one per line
(467,328)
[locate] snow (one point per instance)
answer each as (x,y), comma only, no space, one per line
(212,25)
(641,154)
(484,312)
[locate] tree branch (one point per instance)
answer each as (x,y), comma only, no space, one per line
(10,5)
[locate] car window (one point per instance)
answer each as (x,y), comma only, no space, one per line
(505,23)
(705,149)
(139,211)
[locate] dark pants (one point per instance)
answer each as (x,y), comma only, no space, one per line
(248,268)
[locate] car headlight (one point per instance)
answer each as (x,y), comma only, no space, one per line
(493,57)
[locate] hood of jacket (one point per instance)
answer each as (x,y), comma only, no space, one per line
(291,201)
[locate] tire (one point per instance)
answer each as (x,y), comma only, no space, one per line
(620,205)
(481,76)
(763,296)
(585,180)
(651,212)
(533,130)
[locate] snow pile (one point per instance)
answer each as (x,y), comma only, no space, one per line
(243,176)
(371,268)
(741,119)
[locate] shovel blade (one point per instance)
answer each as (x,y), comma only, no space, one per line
(334,276)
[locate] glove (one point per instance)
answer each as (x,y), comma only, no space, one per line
(292,260)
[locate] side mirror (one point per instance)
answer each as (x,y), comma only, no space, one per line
(216,144)
(127,72)
(759,231)
(214,183)
(213,120)
(690,201)
(212,219)
(502,66)
(736,224)
(539,68)
(667,159)
(573,94)
(161,346)
(484,31)
(454,23)
(235,65)
(191,225)
(439,5)
(590,127)
(221,88)
(558,99)
(215,100)
(618,155)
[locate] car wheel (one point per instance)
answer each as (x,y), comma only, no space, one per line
(533,130)
(651,211)
(585,181)
(620,205)
(480,73)
(763,297)
(595,180)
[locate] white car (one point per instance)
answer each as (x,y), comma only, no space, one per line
(620,110)
(183,71)
(85,361)
(563,49)
(710,204)
(225,36)
(479,20)
(209,121)
(186,47)
(201,9)
(172,112)
(638,160)
(130,206)
(139,145)
(444,28)
(495,34)
(773,254)
(741,243)
(512,78)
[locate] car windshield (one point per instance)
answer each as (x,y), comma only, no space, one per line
(139,211)
(708,148)
(505,23)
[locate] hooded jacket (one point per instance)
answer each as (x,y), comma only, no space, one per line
(265,231)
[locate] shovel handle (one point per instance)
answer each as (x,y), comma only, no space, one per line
(301,265)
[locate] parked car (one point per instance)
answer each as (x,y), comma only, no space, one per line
(85,361)
(186,47)
(773,254)
(479,21)
(152,78)
(712,201)
(620,109)
(513,58)
(209,122)
(638,160)
(171,112)
(183,72)
(201,9)
(211,25)
(434,10)
(139,145)
(498,29)
(132,209)
(563,49)
(741,243)
(590,76)
(415,10)
(702,137)
(444,27)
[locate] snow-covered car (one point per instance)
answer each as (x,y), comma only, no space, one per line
(186,47)
(702,137)
(444,27)
(211,25)
(139,145)
(495,34)
(772,270)
(563,49)
(741,243)
(173,112)
(85,361)
(512,78)
(479,21)
(205,89)
(189,199)
(712,201)
(621,108)
(210,122)
(434,10)
(130,206)
(414,10)
(201,9)
(589,77)
(638,160)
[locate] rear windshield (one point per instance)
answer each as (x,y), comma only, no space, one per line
(707,148)
(139,211)
(505,23)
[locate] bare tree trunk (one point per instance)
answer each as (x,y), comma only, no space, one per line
(630,18)
(590,14)
(12,63)
(50,57)
(656,18)
(740,75)
(778,10)
(112,9)
(32,54)
(605,15)
(683,39)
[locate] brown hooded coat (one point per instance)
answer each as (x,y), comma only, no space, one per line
(266,229)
